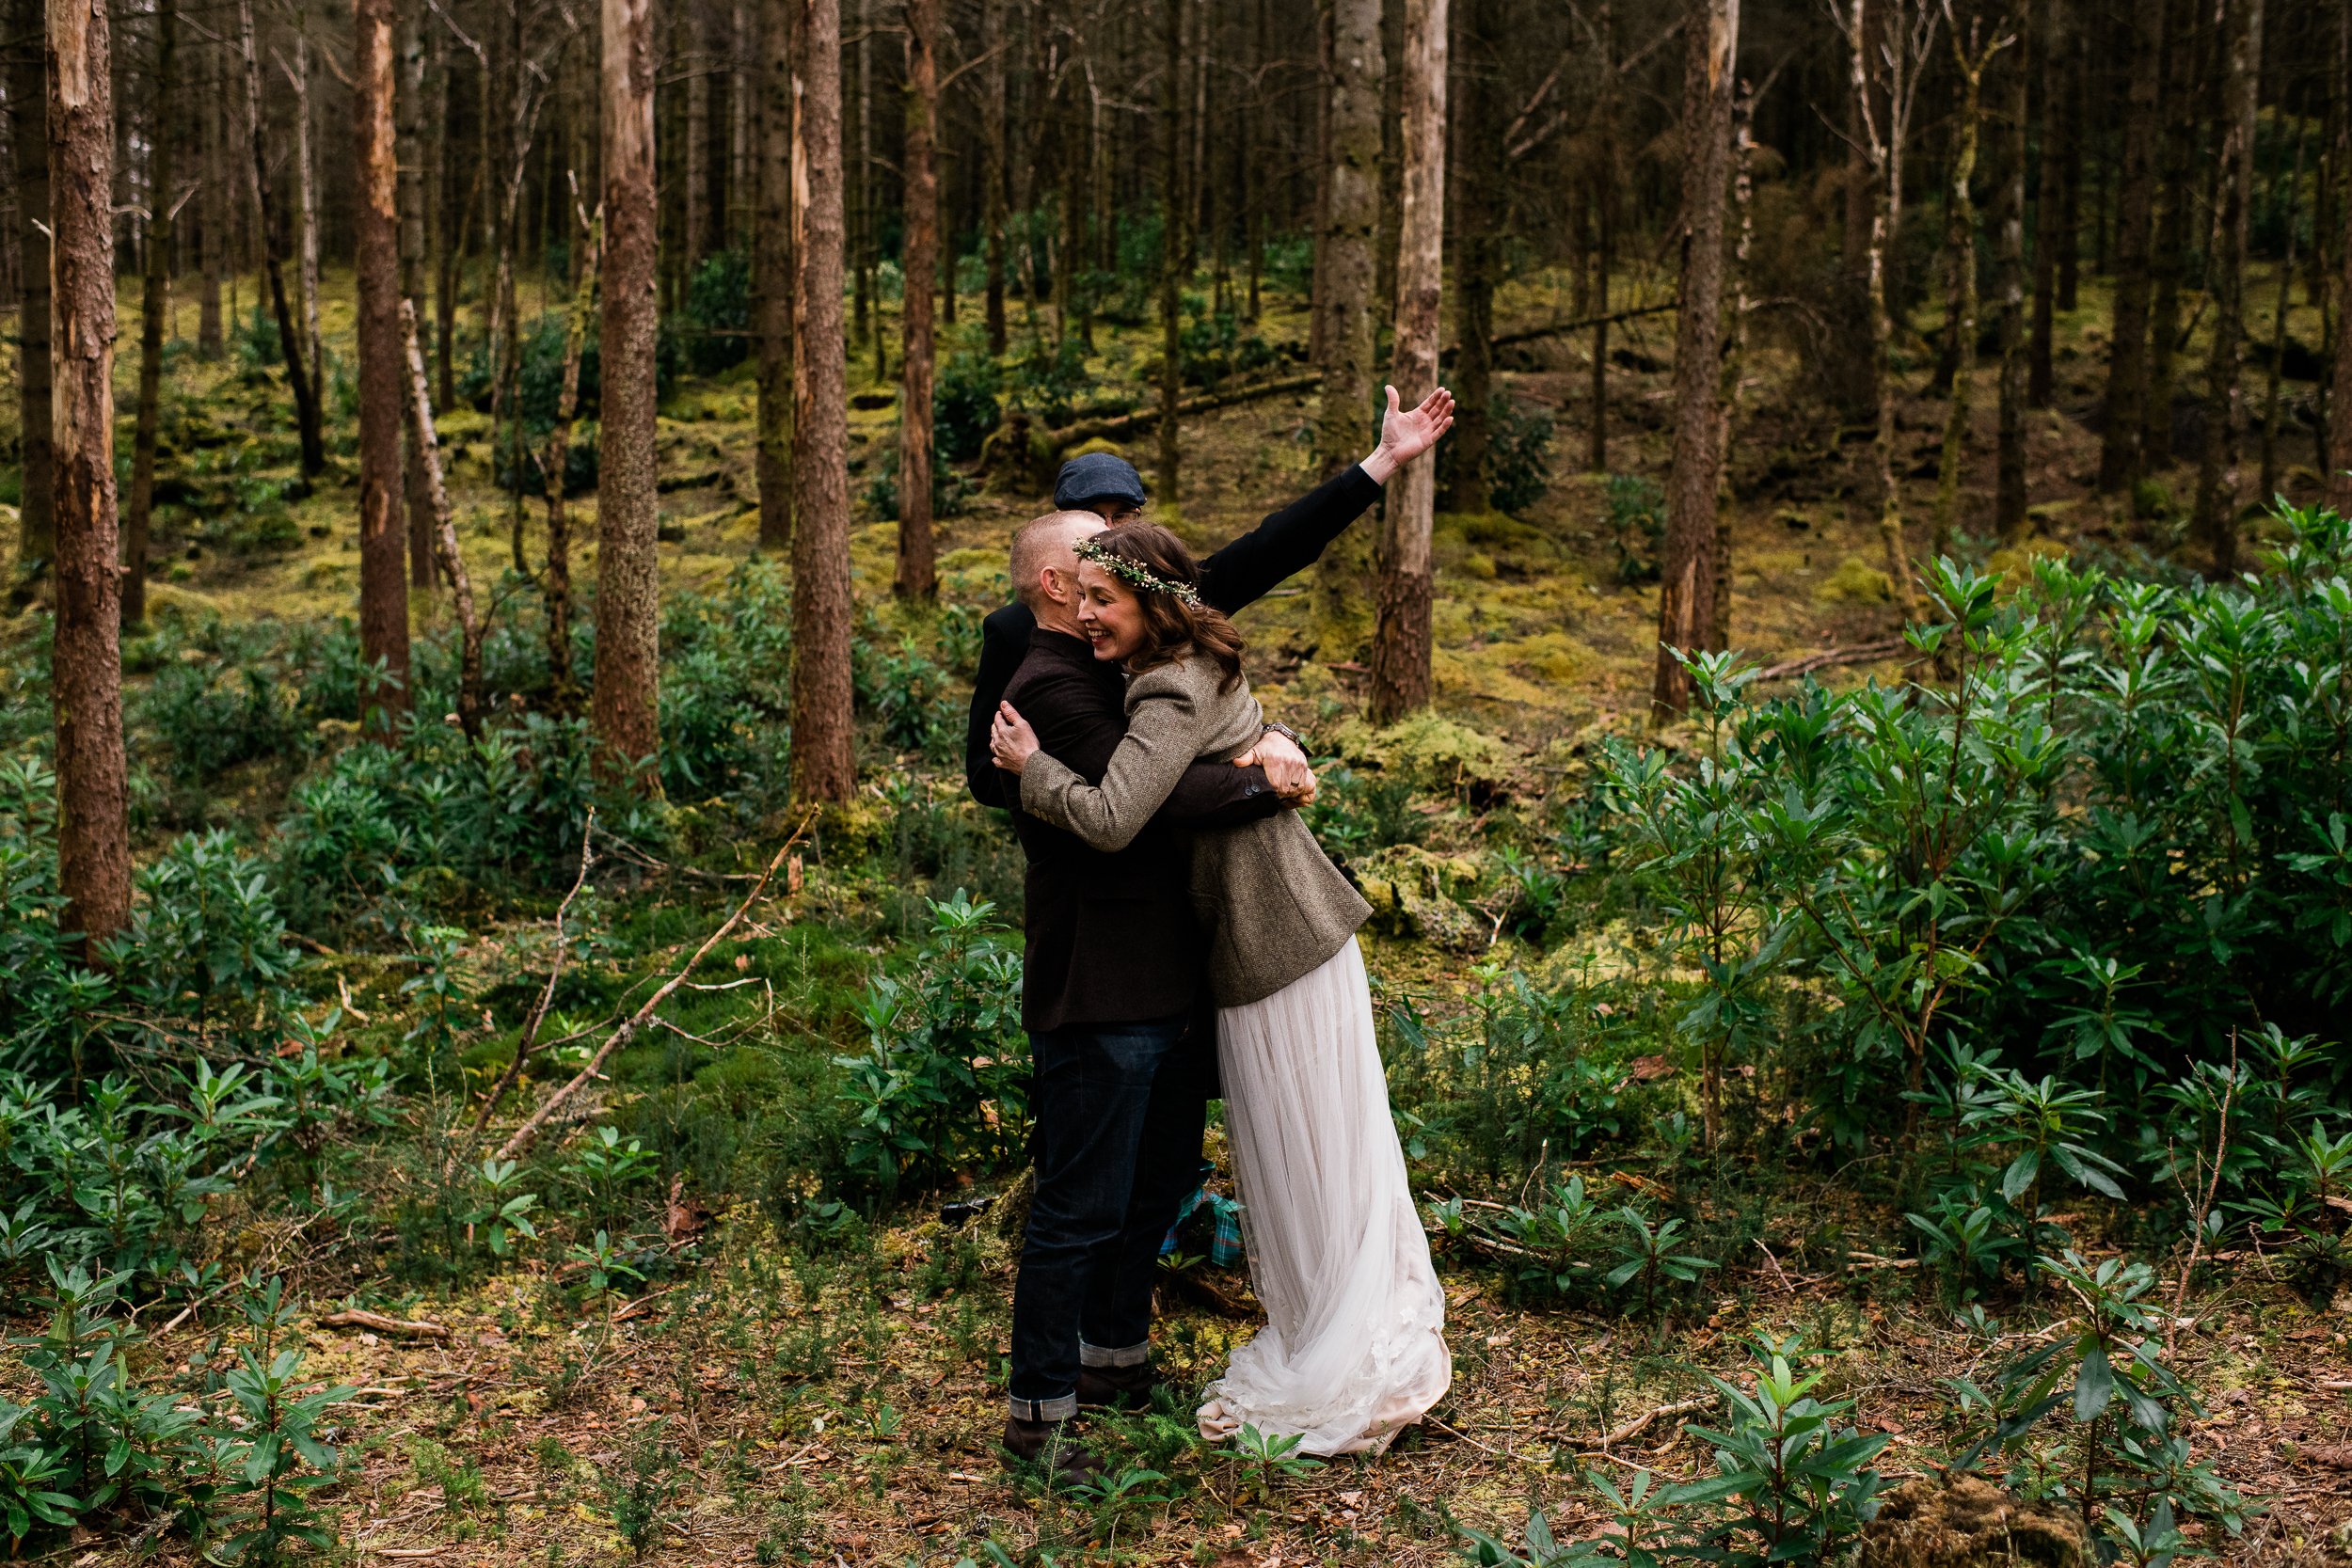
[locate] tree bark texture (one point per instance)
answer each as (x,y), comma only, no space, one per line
(2185,38)
(211,203)
(1401,639)
(824,763)
(29,142)
(917,573)
(442,523)
(1345,270)
(556,581)
(1960,249)
(93,822)
(382,544)
(2336,451)
(2218,465)
(409,112)
(307,205)
(1477,166)
(1686,595)
(772,258)
(2057,121)
(2009,460)
(2135,230)
(623,709)
(154,300)
(993,114)
(265,203)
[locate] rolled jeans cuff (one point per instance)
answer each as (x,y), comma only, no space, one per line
(1063,1407)
(1126,1355)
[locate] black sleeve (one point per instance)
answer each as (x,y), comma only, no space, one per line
(1286,543)
(1004,642)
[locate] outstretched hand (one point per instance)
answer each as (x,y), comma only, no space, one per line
(1407,433)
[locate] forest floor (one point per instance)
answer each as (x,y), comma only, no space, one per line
(521,1426)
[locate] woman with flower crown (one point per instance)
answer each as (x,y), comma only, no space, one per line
(1354,1348)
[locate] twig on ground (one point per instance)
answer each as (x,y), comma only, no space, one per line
(354,1317)
(1626,1431)
(2204,1204)
(546,992)
(628,1031)
(1805,664)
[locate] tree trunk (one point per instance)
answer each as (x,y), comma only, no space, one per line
(2218,467)
(1686,595)
(408,127)
(1171,243)
(211,205)
(2057,119)
(1960,249)
(992,92)
(1477,171)
(452,236)
(2335,458)
(1400,649)
(2185,38)
(622,705)
(2009,487)
(382,544)
(153,301)
(556,582)
(1345,266)
(772,258)
(306,200)
(1603,185)
(824,763)
(1735,355)
(265,204)
(917,576)
(2271,400)
(2127,348)
(28,143)
(419,418)
(93,821)
(694,20)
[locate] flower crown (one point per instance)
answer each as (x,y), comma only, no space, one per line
(1134,574)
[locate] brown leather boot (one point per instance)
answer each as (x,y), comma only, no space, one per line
(1053,1446)
(1118,1387)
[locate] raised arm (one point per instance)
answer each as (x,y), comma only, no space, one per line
(1290,541)
(1165,732)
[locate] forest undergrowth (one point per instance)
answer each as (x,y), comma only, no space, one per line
(1933,1074)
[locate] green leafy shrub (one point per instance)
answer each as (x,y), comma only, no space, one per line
(968,406)
(942,1084)
(1519,454)
(719,312)
(1637,525)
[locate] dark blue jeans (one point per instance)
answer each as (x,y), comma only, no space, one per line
(1119,1109)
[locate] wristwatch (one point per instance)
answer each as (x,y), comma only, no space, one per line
(1275,726)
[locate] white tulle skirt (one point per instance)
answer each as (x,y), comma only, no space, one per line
(1353,1346)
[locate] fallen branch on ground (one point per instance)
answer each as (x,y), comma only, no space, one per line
(1531,333)
(547,993)
(628,1031)
(1860,653)
(352,1317)
(1626,1431)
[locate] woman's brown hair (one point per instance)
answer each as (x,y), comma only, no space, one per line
(1169,622)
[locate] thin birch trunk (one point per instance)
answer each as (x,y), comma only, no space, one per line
(290,341)
(1959,247)
(917,573)
(1401,637)
(153,303)
(443,526)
